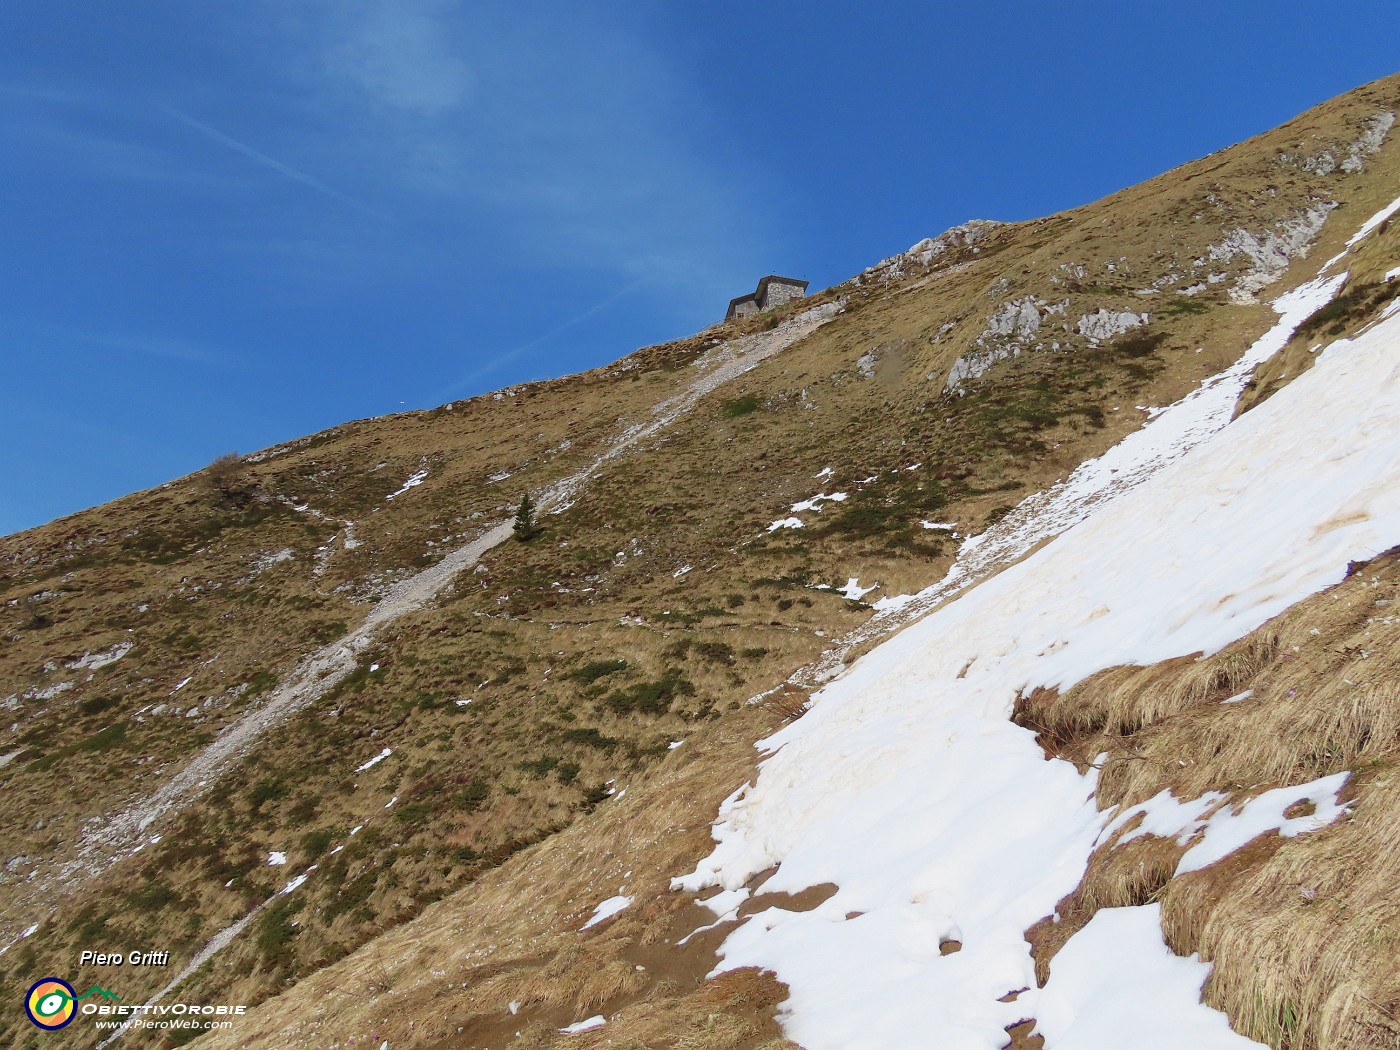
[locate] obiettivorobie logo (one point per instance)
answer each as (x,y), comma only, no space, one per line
(52,1003)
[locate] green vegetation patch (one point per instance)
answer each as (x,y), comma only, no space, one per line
(734,407)
(590,737)
(651,698)
(1345,311)
(102,740)
(594,670)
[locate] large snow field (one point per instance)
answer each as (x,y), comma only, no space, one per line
(907,786)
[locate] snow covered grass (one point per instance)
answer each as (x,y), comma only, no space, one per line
(1370,225)
(1219,829)
(1168,435)
(1302,942)
(906,786)
(1227,830)
(1289,923)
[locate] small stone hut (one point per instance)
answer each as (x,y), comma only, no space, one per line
(772,291)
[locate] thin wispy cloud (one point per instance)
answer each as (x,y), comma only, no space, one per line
(81,134)
(561,137)
(506,358)
(58,338)
(400,55)
(560,187)
(269,162)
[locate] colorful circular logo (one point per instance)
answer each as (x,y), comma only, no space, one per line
(51,1003)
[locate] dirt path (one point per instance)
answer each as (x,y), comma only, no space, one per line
(106,840)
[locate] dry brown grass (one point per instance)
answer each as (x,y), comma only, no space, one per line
(1325,697)
(1303,932)
(1305,940)
(514,935)
(701,494)
(581,977)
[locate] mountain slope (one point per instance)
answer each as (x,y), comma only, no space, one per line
(486,694)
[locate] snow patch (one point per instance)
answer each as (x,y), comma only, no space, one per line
(413,482)
(606,910)
(1116,984)
(815,503)
(596,1021)
(1227,830)
(907,786)
(1373,222)
(854,591)
(1166,437)
(375,760)
(726,902)
(893,602)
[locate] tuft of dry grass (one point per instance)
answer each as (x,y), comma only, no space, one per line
(579,977)
(1304,941)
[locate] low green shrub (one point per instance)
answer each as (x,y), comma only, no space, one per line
(651,698)
(735,407)
(594,670)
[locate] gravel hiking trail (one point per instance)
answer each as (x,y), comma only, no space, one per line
(107,839)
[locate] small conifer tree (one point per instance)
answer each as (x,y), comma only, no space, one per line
(525,527)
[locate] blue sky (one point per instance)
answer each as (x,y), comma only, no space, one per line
(227,225)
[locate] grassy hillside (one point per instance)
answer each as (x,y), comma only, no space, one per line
(298,601)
